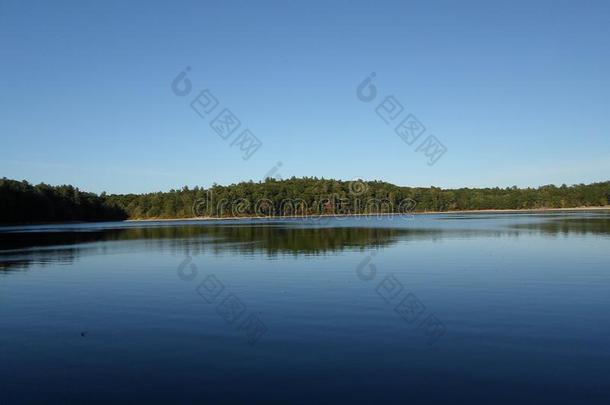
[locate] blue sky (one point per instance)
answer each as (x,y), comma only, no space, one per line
(517,92)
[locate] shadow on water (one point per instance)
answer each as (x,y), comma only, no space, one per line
(564,226)
(19,249)
(64,244)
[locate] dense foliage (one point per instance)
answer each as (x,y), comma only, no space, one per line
(313,196)
(22,202)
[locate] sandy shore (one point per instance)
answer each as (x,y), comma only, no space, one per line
(506,211)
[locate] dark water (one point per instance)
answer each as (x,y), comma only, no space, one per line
(440,308)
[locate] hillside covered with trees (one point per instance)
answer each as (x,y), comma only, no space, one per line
(22,202)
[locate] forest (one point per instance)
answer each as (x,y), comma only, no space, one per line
(21,202)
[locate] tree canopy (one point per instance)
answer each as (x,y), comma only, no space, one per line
(23,202)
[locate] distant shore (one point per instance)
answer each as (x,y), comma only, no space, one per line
(489,211)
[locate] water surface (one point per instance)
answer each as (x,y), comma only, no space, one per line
(467,308)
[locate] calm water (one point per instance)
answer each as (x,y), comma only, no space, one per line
(499,308)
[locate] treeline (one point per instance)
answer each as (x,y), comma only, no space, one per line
(313,196)
(23,202)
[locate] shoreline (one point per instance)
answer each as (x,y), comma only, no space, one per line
(489,211)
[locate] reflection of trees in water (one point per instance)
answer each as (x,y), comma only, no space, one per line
(281,238)
(564,226)
(43,258)
(303,240)
(21,249)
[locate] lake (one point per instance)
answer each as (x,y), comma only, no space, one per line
(462,308)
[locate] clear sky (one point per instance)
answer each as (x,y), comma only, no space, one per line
(518,92)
